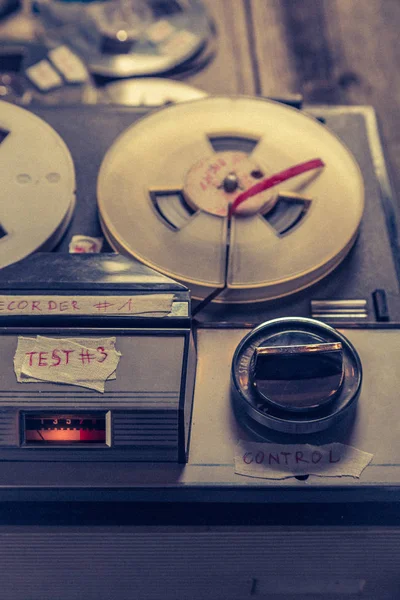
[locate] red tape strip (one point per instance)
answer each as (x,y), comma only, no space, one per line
(270,182)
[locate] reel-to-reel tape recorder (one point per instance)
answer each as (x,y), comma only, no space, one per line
(256,207)
(279,222)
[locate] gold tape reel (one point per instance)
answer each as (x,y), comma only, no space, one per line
(165,186)
(37,175)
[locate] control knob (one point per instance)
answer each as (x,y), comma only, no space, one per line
(295,375)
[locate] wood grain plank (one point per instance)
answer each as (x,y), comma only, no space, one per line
(274,58)
(347,46)
(365,36)
(367,68)
(367,64)
(334,51)
(231,70)
(292,47)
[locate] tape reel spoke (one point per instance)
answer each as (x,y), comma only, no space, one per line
(172,207)
(290,209)
(3,231)
(202,145)
(3,134)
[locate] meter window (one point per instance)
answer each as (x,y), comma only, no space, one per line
(46,429)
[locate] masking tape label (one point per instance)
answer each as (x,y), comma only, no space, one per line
(158,305)
(85,362)
(279,461)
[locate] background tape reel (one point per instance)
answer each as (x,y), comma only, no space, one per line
(126,38)
(148,92)
(144,213)
(37,195)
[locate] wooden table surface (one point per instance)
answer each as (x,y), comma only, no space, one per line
(330,51)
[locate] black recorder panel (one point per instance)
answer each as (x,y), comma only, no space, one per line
(214,394)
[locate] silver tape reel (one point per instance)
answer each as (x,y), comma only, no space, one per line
(37,177)
(126,38)
(149,92)
(165,186)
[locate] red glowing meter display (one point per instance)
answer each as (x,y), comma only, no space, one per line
(43,429)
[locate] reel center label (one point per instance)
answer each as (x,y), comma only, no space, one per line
(214,182)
